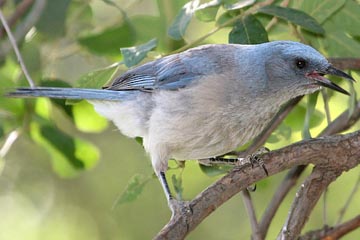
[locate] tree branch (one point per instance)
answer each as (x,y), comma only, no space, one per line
(336,152)
(341,123)
(307,197)
(335,232)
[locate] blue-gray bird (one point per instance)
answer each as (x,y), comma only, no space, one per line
(206,101)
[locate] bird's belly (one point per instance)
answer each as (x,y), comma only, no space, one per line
(215,140)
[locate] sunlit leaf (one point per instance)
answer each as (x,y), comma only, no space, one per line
(207,12)
(352,99)
(283,132)
(296,118)
(237,4)
(86,119)
(109,41)
(133,55)
(248,30)
(295,16)
(310,108)
(134,188)
(182,20)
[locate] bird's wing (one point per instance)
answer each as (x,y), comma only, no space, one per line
(171,72)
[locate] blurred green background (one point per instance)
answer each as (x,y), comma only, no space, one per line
(67,173)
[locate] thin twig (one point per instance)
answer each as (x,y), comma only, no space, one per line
(16,49)
(348,201)
(251,213)
(335,232)
(9,141)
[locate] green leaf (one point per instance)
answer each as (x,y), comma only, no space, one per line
(52,20)
(295,16)
(237,4)
(139,140)
(283,132)
(134,188)
(97,79)
(182,20)
(178,185)
(110,40)
(133,55)
(295,119)
(248,30)
(2,132)
(207,12)
(346,20)
(225,17)
(86,119)
(69,155)
(310,108)
(63,143)
(339,44)
(215,170)
(322,10)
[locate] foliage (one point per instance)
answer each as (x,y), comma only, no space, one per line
(86,44)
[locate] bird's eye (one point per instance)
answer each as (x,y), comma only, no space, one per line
(300,63)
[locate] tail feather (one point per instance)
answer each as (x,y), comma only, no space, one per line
(69,93)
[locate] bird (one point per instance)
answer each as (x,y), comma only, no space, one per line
(206,101)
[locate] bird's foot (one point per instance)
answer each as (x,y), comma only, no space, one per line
(178,207)
(255,159)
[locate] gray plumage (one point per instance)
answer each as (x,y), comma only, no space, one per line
(206,101)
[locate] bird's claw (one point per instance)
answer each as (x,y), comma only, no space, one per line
(255,158)
(178,207)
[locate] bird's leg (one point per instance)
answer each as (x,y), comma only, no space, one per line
(176,206)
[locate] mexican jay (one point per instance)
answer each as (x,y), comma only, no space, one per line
(206,101)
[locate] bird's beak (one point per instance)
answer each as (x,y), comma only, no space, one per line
(322,81)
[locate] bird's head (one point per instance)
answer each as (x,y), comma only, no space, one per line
(300,68)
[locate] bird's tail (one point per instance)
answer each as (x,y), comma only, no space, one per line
(69,93)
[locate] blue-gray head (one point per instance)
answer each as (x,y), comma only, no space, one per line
(300,68)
